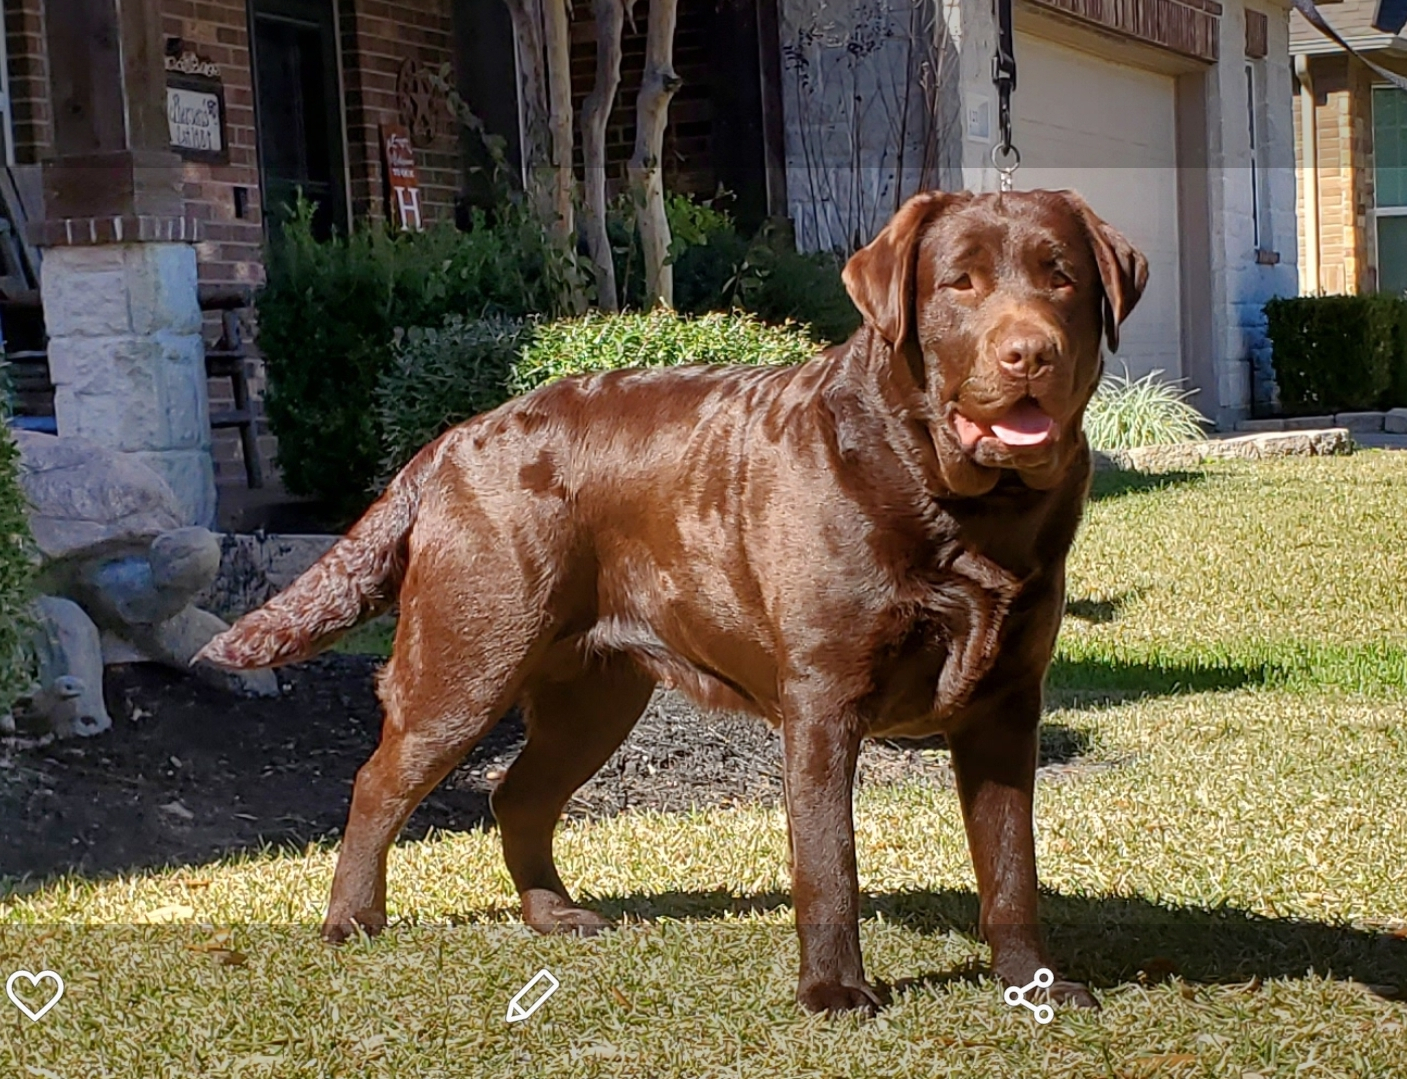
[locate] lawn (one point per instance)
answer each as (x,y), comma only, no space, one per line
(1233,884)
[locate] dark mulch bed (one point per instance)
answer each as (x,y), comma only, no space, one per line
(188,773)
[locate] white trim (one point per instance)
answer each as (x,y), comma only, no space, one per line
(342,118)
(7,123)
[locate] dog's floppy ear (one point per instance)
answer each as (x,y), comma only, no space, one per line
(1122,268)
(880,276)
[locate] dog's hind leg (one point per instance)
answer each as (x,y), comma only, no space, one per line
(453,674)
(573,728)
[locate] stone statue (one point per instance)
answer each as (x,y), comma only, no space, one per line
(109,534)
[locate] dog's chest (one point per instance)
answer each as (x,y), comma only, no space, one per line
(944,639)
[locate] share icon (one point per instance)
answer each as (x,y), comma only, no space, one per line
(1016,995)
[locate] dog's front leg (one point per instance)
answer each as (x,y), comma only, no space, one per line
(819,749)
(994,758)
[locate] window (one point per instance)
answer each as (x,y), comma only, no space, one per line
(298,110)
(1260,171)
(1390,187)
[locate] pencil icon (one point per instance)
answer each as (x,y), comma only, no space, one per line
(517,1010)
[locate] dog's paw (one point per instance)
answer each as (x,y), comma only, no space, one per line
(340,928)
(836,997)
(548,913)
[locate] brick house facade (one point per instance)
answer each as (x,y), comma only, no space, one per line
(784,104)
(1349,235)
(379,41)
(1343,127)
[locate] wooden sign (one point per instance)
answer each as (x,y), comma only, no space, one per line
(195,109)
(401,178)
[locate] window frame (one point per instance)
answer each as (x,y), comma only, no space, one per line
(1376,210)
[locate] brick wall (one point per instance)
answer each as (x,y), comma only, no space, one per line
(1345,133)
(229,251)
(29,79)
(377,38)
(230,247)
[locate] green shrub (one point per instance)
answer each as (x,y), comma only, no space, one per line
(328,318)
(17,564)
(1126,412)
(605,342)
(717,269)
(1333,353)
(777,284)
(442,376)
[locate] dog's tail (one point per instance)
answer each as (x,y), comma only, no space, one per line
(356,580)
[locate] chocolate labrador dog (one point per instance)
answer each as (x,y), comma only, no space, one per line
(869,544)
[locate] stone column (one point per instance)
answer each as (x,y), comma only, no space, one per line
(118,282)
(127,359)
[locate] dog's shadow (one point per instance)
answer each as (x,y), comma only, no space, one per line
(1104,942)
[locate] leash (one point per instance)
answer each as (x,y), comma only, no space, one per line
(1006,159)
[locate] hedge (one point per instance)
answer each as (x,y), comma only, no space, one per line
(334,313)
(443,376)
(328,319)
(1338,353)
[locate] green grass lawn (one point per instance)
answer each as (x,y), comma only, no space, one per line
(1235,886)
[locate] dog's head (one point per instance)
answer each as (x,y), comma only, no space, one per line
(998,303)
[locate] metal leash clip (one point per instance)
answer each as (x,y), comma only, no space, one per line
(1006,172)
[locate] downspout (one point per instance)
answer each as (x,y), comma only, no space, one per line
(1309,141)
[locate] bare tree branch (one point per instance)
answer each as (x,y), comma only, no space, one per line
(556,31)
(646,167)
(532,98)
(595,113)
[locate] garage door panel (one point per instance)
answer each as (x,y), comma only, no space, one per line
(1108,131)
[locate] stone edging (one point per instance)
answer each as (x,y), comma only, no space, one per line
(1392,422)
(1331,441)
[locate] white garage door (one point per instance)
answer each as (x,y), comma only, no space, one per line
(1108,131)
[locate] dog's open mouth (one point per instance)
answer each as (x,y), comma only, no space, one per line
(1022,426)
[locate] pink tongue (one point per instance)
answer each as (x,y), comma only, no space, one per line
(1023,425)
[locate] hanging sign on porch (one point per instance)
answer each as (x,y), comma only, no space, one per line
(401,179)
(195,107)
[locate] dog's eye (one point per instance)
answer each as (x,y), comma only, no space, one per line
(962,283)
(1059,279)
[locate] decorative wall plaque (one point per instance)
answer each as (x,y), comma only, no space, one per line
(195,107)
(401,178)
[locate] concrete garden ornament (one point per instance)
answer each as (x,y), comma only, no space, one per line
(117,576)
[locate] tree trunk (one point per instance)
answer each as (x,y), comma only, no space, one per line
(646,169)
(532,91)
(595,112)
(559,117)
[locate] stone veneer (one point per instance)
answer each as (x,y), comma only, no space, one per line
(127,360)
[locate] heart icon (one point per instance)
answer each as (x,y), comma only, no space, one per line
(34,980)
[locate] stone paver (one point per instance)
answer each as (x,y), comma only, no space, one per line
(1359,421)
(1331,441)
